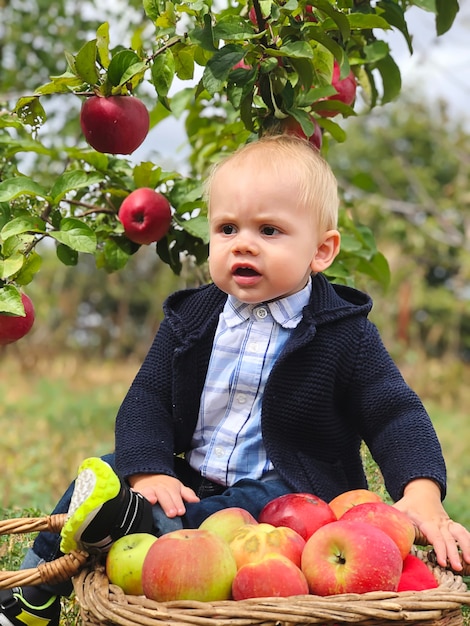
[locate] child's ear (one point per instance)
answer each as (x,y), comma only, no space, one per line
(327,251)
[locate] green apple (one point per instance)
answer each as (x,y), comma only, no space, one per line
(125,559)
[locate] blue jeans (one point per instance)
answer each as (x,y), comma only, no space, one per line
(248,494)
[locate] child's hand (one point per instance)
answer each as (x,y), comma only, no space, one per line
(168,491)
(422,502)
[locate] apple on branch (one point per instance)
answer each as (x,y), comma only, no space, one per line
(125,560)
(345,88)
(145,215)
(351,557)
(303,512)
(114,124)
(189,564)
(291,126)
(14,327)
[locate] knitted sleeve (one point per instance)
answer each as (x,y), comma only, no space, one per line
(144,434)
(394,423)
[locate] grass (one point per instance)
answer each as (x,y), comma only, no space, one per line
(56,414)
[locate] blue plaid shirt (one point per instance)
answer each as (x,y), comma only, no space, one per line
(227,444)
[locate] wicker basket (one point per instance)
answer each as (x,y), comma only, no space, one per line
(102,603)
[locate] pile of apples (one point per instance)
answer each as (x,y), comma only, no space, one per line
(299,545)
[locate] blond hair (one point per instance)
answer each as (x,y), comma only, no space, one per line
(318,187)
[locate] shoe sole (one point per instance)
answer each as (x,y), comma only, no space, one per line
(96,484)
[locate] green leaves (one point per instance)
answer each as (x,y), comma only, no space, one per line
(10,301)
(239,79)
(76,235)
(96,68)
(21,185)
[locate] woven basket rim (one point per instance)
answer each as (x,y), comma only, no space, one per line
(102,602)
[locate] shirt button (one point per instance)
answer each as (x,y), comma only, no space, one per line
(261,313)
(253,347)
(241,398)
(219,451)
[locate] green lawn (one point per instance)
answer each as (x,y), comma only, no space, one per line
(61,412)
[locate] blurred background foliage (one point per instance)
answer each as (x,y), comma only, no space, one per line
(403,172)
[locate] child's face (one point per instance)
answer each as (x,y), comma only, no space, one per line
(263,243)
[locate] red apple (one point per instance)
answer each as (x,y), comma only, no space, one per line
(309,14)
(125,559)
(190,564)
(252,16)
(303,512)
(389,519)
(351,557)
(292,127)
(115,124)
(14,327)
(253,542)
(345,87)
(416,576)
(227,521)
(242,64)
(351,498)
(145,215)
(275,576)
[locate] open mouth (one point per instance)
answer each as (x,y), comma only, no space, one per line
(245,271)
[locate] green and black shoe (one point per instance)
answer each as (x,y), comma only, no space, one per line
(102,509)
(17,610)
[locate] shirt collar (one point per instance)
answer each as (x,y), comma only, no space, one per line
(286,311)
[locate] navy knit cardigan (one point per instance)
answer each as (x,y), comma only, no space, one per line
(333,386)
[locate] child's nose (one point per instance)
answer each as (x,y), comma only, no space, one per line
(244,243)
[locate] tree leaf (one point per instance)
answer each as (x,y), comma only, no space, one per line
(60,84)
(24,224)
(377,268)
(19,186)
(30,111)
(196,226)
(85,63)
(184,61)
(75,234)
(10,301)
(391,78)
(120,64)
(11,265)
(163,72)
(338,17)
(70,181)
(219,66)
(205,36)
(234,28)
(297,50)
(66,255)
(31,266)
(446,12)
(102,44)
(367,21)
(395,16)
(115,253)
